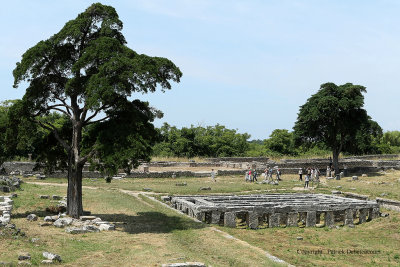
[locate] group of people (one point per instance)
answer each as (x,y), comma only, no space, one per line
(311,174)
(251,176)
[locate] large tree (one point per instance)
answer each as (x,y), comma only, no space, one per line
(335,116)
(87,73)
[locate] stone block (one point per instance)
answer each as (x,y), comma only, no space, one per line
(32,217)
(373,213)
(51,256)
(215,217)
(230,219)
(311,219)
(349,217)
(273,220)
(252,220)
(329,219)
(44,196)
(354,178)
(362,215)
(292,219)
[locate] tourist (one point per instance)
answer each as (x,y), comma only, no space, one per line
(213,175)
(266,173)
(270,173)
(254,175)
(308,173)
(307,180)
(278,174)
(246,176)
(328,171)
(300,174)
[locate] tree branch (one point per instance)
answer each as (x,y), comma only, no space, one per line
(68,107)
(103,119)
(83,160)
(53,129)
(87,121)
(55,107)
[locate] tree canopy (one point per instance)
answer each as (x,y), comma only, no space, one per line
(335,116)
(87,73)
(211,141)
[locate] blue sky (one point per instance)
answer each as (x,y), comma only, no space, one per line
(247,65)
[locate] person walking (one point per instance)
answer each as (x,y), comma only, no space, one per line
(306,180)
(254,175)
(213,175)
(278,175)
(300,174)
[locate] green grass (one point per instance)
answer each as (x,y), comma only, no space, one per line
(150,234)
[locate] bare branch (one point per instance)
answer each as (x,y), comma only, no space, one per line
(83,160)
(55,107)
(103,119)
(68,107)
(87,121)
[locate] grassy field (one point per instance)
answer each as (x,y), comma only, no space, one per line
(149,234)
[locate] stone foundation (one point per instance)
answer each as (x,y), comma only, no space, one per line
(277,209)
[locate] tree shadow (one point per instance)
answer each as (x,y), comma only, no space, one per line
(150,222)
(143,222)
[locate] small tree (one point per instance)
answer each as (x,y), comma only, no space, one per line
(87,73)
(334,116)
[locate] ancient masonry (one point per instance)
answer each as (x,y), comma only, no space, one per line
(5,210)
(274,210)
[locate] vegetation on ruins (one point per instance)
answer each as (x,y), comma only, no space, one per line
(335,116)
(87,73)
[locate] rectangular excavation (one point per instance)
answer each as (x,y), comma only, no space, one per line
(286,209)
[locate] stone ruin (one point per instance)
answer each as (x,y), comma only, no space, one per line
(5,210)
(274,210)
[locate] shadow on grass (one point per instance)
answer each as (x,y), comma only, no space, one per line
(150,222)
(143,222)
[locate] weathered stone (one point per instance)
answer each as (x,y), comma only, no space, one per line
(299,238)
(311,219)
(252,220)
(44,224)
(44,196)
(35,240)
(205,188)
(349,217)
(364,175)
(292,219)
(106,227)
(47,262)
(215,217)
(62,222)
(51,218)
(181,184)
(56,197)
(373,213)
(91,228)
(87,218)
(354,178)
(273,220)
(32,217)
(329,219)
(230,219)
(335,192)
(51,256)
(362,217)
(24,256)
(76,230)
(147,189)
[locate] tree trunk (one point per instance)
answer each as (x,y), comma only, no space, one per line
(74,196)
(75,207)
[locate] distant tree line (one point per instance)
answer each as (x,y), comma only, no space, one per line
(210,141)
